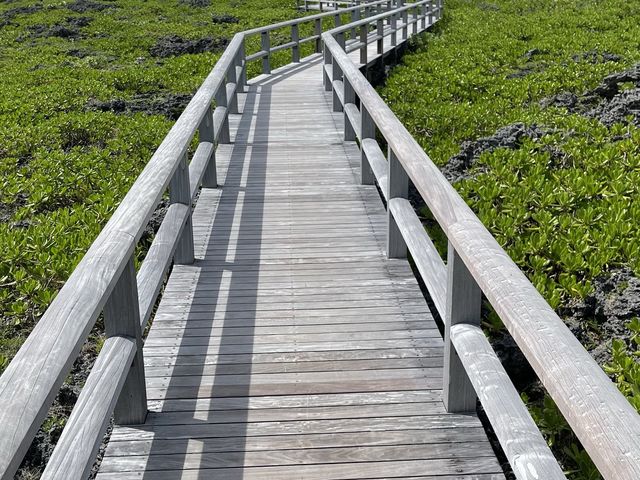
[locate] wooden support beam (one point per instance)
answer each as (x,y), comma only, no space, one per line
(207,134)
(122,318)
(464,302)
(368,132)
(180,192)
(265,45)
(398,188)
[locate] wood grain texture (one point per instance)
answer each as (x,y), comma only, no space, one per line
(602,418)
(293,347)
(522,442)
(76,449)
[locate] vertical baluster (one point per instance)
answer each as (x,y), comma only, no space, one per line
(423,16)
(221,101)
(336,75)
(398,183)
(394,36)
(318,34)
(206,134)
(432,6)
(265,41)
(439,9)
(243,63)
(326,80)
(122,318)
(364,54)
(336,21)
(380,33)
(405,20)
(232,78)
(368,130)
(180,192)
(295,37)
(321,7)
(464,302)
(389,6)
(349,97)
(355,16)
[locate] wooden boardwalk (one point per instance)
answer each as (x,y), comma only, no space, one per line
(292,347)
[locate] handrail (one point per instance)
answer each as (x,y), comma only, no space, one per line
(105,281)
(604,421)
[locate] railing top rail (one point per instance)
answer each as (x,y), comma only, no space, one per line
(604,421)
(310,18)
(373,18)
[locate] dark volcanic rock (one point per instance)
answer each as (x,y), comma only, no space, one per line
(615,100)
(196,3)
(510,136)
(82,6)
(174,45)
(224,18)
(621,107)
(594,56)
(168,104)
(8,16)
(614,302)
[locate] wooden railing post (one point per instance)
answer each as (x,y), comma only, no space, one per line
(326,80)
(122,318)
(394,35)
(364,54)
(336,21)
(464,302)
(368,130)
(221,101)
(349,97)
(432,6)
(355,16)
(180,192)
(336,75)
(242,58)
(206,134)
(265,45)
(423,16)
(318,33)
(233,78)
(414,25)
(295,37)
(380,33)
(398,187)
(405,20)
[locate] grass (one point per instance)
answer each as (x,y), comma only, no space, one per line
(566,205)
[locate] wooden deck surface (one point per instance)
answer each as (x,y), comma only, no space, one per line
(293,348)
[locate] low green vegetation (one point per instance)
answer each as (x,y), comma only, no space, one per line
(89,89)
(563,195)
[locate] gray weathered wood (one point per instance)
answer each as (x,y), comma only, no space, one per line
(463,306)
(180,192)
(522,442)
(158,259)
(398,187)
(265,44)
(368,133)
(295,39)
(427,259)
(75,451)
(206,153)
(122,318)
(610,438)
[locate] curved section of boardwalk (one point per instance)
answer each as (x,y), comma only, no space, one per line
(292,347)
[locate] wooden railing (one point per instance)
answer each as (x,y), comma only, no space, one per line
(604,421)
(105,281)
(325,5)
